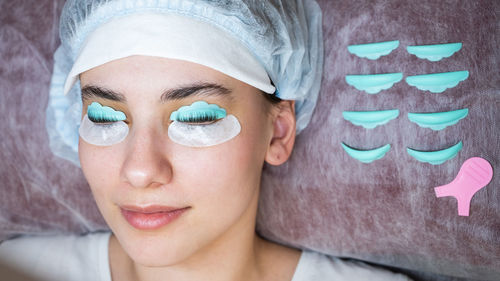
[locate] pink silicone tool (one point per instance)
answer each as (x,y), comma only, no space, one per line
(474,174)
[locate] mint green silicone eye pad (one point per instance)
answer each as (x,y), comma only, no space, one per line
(198,112)
(103,126)
(437,82)
(373,83)
(370,119)
(373,51)
(367,156)
(438,120)
(201,124)
(436,157)
(102,114)
(434,52)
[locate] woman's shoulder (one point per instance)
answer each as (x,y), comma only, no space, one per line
(316,266)
(60,257)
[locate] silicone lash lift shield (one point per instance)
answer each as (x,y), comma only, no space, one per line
(373,51)
(373,83)
(438,120)
(437,82)
(198,109)
(436,157)
(370,119)
(367,156)
(434,52)
(99,113)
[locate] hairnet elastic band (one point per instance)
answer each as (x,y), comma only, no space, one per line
(169,36)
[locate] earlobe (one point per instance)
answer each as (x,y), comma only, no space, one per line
(283,138)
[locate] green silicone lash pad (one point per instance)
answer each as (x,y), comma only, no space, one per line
(437,82)
(434,52)
(373,83)
(373,51)
(436,157)
(97,112)
(439,120)
(198,109)
(370,119)
(367,156)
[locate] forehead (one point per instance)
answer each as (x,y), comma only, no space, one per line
(148,71)
(157,79)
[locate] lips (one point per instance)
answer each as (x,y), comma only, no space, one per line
(151,217)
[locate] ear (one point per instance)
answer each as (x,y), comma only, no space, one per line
(283,138)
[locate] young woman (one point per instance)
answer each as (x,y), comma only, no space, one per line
(182,103)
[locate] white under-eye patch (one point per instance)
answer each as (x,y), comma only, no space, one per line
(202,135)
(102,134)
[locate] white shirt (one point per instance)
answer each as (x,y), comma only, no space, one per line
(84,258)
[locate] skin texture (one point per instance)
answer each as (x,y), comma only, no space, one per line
(215,238)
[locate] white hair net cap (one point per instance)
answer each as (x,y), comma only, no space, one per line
(283,35)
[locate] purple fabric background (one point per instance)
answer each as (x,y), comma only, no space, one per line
(385,212)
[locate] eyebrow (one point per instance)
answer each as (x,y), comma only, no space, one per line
(199,89)
(89,92)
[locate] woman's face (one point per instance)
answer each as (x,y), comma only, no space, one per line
(216,187)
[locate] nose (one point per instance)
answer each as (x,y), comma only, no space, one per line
(146,163)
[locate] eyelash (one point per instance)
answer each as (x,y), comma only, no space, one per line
(106,115)
(100,119)
(197,117)
(206,117)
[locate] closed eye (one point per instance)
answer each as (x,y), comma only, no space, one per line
(199,118)
(100,121)
(199,112)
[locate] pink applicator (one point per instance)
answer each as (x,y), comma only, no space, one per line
(474,174)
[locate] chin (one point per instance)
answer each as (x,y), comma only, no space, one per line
(156,251)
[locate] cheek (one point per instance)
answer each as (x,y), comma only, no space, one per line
(228,172)
(99,173)
(221,189)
